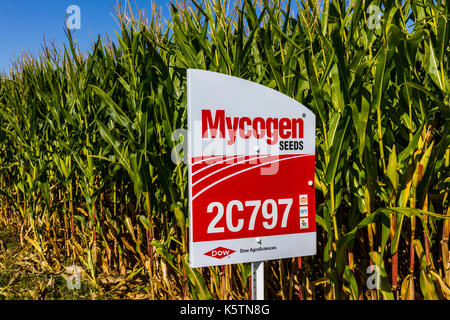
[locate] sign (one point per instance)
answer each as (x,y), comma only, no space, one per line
(251,160)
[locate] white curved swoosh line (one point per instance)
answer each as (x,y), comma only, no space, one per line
(247,169)
(200,161)
(231,165)
(213,164)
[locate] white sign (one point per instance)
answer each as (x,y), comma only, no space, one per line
(251,154)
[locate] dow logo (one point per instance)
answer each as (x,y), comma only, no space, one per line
(219,252)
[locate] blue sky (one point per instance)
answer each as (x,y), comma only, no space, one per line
(25,23)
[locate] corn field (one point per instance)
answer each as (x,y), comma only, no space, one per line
(86,140)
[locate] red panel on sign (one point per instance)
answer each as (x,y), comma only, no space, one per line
(252,196)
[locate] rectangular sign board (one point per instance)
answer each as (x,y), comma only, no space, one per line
(251,154)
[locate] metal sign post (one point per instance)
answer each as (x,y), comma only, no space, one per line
(258,280)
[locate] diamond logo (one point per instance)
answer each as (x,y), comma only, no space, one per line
(219,252)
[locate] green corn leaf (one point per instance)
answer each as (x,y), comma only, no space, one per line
(385,287)
(322,223)
(392,172)
(167,256)
(336,150)
(353,285)
(179,215)
(343,241)
(427,286)
(433,66)
(144,221)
